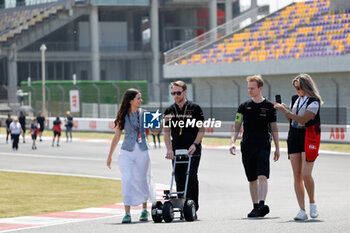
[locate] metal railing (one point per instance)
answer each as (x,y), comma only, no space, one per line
(174,55)
(76,46)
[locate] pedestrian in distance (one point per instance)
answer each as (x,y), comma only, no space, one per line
(303,139)
(8,131)
(34,131)
(184,136)
(16,130)
(133,160)
(154,139)
(22,121)
(69,125)
(259,124)
(56,131)
(41,121)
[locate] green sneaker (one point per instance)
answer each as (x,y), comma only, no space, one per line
(144,216)
(127,219)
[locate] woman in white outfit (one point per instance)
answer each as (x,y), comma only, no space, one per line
(133,159)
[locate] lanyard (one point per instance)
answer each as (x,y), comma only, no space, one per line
(137,129)
(299,107)
(183,118)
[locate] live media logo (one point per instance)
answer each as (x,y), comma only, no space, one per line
(152,120)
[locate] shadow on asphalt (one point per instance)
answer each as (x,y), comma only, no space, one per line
(150,221)
(256,219)
(306,221)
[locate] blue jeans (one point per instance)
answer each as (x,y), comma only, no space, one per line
(69,130)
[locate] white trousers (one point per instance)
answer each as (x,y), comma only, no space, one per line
(137,182)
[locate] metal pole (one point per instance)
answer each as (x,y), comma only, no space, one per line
(118,94)
(160,96)
(7,93)
(43,49)
(48,100)
(34,98)
(269,91)
(194,91)
(211,99)
(63,97)
(336,100)
(30,99)
(238,92)
(30,93)
(154,15)
(98,100)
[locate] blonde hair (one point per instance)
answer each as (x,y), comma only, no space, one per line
(307,85)
(256,78)
(179,83)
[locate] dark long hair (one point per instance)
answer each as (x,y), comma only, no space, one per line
(124,107)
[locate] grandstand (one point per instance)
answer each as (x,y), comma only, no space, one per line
(304,29)
(308,36)
(14,23)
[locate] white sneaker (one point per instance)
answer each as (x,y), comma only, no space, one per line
(313,210)
(301,215)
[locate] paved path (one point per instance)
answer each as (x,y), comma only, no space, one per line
(224,195)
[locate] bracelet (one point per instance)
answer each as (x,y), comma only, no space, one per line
(287,112)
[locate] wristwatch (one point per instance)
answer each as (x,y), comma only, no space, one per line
(196,144)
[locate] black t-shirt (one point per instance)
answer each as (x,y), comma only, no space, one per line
(256,121)
(41,121)
(189,133)
(69,121)
(22,121)
(57,122)
(8,122)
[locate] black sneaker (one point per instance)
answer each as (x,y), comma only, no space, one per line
(263,210)
(254,213)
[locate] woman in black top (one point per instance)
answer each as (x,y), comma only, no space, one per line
(303,139)
(8,131)
(22,121)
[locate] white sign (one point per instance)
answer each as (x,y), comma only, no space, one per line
(74,101)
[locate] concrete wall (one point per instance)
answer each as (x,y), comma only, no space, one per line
(283,66)
(339,5)
(225,92)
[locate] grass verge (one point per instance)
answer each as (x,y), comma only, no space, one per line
(23,194)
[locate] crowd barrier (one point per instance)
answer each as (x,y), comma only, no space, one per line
(330,133)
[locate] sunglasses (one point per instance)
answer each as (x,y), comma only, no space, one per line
(176,93)
(297,87)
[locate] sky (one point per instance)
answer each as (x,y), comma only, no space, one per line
(275,4)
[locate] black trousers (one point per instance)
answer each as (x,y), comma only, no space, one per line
(15,138)
(8,133)
(193,184)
